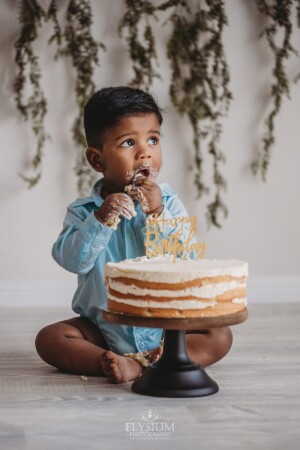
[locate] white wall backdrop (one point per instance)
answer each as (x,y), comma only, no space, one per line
(264,218)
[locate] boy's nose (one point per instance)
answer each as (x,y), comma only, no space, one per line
(143,153)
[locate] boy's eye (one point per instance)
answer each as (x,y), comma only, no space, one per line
(153,140)
(127,143)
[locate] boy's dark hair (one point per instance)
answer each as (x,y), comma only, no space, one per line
(108,105)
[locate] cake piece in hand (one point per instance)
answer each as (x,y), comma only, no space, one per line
(136,194)
(143,172)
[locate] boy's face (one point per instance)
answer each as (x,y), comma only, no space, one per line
(131,147)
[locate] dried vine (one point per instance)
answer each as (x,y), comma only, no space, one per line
(34,108)
(141,45)
(52,16)
(279,17)
(78,43)
(200,87)
(203,95)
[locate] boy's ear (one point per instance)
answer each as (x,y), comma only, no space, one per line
(94,157)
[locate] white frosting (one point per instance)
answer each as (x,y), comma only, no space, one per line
(242,301)
(174,304)
(162,269)
(207,291)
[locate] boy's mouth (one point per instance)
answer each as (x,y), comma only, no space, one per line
(143,171)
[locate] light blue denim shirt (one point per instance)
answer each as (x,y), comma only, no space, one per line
(85,246)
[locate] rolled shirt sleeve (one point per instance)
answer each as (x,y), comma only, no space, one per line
(82,239)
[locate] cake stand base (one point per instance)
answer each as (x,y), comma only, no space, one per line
(191,382)
(174,374)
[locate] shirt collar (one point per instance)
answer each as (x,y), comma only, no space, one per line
(96,192)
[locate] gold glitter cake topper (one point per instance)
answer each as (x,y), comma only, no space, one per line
(157,245)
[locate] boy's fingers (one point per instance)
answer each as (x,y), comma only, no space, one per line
(145,191)
(144,181)
(125,201)
(146,187)
(118,211)
(128,201)
(126,215)
(125,210)
(122,197)
(129,207)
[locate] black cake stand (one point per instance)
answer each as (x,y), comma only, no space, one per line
(175,374)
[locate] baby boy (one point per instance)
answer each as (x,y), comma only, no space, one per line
(122,127)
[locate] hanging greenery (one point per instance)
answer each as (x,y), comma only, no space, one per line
(52,16)
(200,76)
(78,43)
(200,87)
(141,45)
(34,108)
(278,15)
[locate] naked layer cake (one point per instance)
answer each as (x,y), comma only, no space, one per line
(159,287)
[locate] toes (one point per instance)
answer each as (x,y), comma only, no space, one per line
(110,355)
(116,376)
(110,367)
(119,369)
(103,362)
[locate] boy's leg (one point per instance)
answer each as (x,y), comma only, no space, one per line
(74,345)
(206,347)
(77,346)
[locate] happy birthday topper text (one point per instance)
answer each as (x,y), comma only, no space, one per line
(180,242)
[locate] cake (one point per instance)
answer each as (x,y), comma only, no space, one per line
(159,287)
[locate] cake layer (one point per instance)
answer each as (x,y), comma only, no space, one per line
(207,291)
(157,303)
(174,286)
(226,296)
(162,269)
(217,310)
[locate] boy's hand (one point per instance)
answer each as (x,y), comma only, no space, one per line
(152,194)
(114,206)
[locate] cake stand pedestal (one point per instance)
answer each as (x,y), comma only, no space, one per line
(175,374)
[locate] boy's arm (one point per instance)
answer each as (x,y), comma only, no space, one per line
(86,234)
(82,239)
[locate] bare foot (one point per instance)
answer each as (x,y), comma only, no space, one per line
(119,369)
(155,354)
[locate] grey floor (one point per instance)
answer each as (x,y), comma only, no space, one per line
(257,407)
